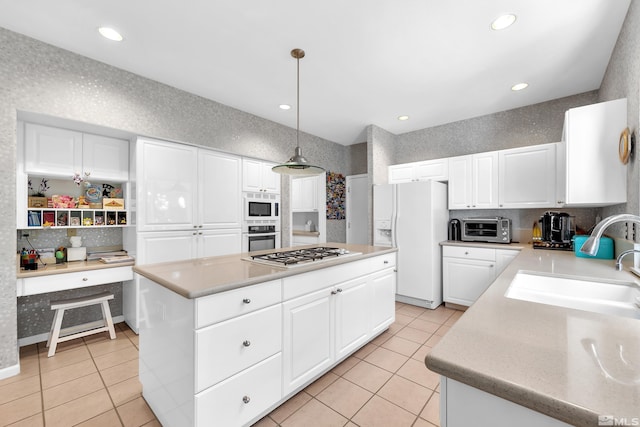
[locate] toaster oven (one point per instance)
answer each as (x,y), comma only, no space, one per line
(492,230)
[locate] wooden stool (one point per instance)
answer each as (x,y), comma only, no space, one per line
(81,330)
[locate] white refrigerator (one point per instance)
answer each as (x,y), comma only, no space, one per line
(413,217)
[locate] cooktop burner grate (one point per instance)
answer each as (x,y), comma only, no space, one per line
(297,256)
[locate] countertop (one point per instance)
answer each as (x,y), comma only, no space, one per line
(204,276)
(509,246)
(538,355)
(67,267)
(305,233)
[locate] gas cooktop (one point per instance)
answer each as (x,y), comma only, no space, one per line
(298,257)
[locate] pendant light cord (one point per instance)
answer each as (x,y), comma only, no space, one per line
(298,104)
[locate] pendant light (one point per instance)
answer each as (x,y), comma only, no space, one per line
(297,164)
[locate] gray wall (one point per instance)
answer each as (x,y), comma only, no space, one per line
(39,78)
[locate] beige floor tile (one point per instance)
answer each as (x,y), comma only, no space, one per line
(314,413)
(19,409)
(321,383)
(381,338)
(34,421)
(368,376)
(403,319)
(422,423)
(401,345)
(133,337)
(285,410)
(347,364)
(78,410)
(406,394)
(116,358)
(439,315)
(103,347)
(61,347)
(442,330)
(266,422)
(68,373)
(399,304)
(63,358)
(454,318)
(107,419)
(135,413)
(413,334)
(394,328)
(71,390)
(125,391)
(417,372)
(424,325)
(431,411)
(386,359)
(154,423)
(18,389)
(421,353)
(433,340)
(381,413)
(344,397)
(411,310)
(28,350)
(119,373)
(365,351)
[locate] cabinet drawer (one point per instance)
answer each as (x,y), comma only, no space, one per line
(225,305)
(227,348)
(80,279)
(486,254)
(242,397)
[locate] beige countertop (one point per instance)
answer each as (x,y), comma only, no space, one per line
(538,355)
(67,267)
(305,233)
(204,276)
(510,246)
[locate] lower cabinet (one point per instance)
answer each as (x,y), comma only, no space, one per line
(229,358)
(468,271)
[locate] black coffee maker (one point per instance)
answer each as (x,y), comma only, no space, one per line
(558,229)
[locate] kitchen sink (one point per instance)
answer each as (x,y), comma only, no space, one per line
(618,298)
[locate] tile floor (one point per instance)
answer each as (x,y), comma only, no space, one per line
(93,381)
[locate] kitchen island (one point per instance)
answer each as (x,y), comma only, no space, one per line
(514,362)
(224,340)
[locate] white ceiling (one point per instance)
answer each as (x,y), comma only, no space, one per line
(367,62)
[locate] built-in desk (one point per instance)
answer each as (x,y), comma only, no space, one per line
(70,275)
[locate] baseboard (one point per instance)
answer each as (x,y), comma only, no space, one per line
(44,337)
(418,302)
(9,371)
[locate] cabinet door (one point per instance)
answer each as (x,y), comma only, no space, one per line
(165,246)
(460,182)
(251,175)
(270,179)
(308,340)
(503,259)
(353,308)
(105,158)
(219,190)
(401,173)
(167,176)
(296,194)
(464,280)
(383,291)
(219,242)
(528,177)
(304,194)
(485,181)
(52,151)
(437,169)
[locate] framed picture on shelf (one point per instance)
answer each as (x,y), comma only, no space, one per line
(74,221)
(99,220)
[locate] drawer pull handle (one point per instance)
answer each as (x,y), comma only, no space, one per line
(386,262)
(84,279)
(246,301)
(339,289)
(246,399)
(334,292)
(246,343)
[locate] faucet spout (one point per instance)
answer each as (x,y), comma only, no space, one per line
(592,244)
(622,255)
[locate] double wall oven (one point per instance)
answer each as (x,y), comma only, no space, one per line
(261,225)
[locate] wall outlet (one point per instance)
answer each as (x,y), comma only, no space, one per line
(22,234)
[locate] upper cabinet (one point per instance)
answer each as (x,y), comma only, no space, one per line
(304,194)
(590,172)
(437,169)
(527,177)
(257,176)
(56,152)
(473,181)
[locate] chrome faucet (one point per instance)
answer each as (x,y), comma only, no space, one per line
(622,255)
(592,244)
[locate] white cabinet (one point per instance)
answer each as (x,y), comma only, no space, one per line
(383,292)
(468,271)
(55,152)
(304,194)
(257,176)
(473,181)
(589,170)
(527,177)
(219,190)
(437,169)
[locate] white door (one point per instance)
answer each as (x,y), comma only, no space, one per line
(460,182)
(464,280)
(219,242)
(485,180)
(357,209)
(219,190)
(166,246)
(52,151)
(401,173)
(383,290)
(270,179)
(104,157)
(251,175)
(517,167)
(353,308)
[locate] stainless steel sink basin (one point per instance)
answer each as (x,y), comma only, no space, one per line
(617,298)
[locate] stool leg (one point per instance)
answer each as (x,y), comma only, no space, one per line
(106,315)
(55,333)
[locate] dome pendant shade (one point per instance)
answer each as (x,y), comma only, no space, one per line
(297,164)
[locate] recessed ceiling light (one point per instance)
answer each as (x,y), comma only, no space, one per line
(110,33)
(285,106)
(519,86)
(502,22)
(403,118)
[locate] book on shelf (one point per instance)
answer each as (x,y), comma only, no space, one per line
(116,259)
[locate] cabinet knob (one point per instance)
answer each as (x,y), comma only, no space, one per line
(333,292)
(468,206)
(195,226)
(466,253)
(560,202)
(339,289)
(490,265)
(246,343)
(195,234)
(84,279)
(500,205)
(386,262)
(246,399)
(200,226)
(246,301)
(395,271)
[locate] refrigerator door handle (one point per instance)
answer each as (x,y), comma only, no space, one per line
(394,226)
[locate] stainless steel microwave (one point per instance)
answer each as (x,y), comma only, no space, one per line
(492,230)
(261,206)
